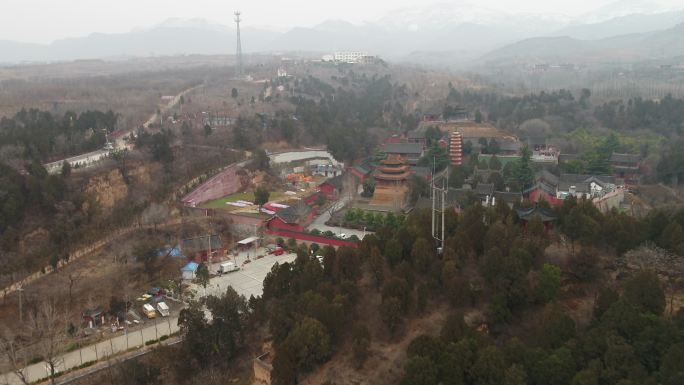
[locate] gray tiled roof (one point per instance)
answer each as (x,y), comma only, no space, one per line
(484,189)
(403,148)
(294,213)
(625,158)
(580,187)
(534,211)
(586,178)
(508,197)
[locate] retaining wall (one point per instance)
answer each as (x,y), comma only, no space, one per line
(225,183)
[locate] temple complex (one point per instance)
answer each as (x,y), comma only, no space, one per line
(391,182)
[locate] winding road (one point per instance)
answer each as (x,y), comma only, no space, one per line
(90,159)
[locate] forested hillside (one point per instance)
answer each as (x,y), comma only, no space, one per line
(337,312)
(39,135)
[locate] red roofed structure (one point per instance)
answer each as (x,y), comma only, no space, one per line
(455,148)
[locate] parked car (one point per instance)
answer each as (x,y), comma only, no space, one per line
(228,267)
(149,311)
(270,248)
(163,309)
(278,251)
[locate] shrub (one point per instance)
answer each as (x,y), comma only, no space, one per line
(163,338)
(86,364)
(35,360)
(72,346)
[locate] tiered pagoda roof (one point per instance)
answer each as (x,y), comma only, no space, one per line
(393,169)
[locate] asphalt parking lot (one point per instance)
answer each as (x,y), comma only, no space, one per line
(249,279)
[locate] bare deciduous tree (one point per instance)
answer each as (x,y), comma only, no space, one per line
(72,278)
(15,355)
(155,214)
(45,329)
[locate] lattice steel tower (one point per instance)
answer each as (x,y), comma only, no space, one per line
(238,52)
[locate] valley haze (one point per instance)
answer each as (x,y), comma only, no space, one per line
(454,34)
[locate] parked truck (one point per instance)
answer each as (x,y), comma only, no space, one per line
(163,309)
(228,267)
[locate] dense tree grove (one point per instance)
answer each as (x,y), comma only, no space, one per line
(341,117)
(511,111)
(20,194)
(625,344)
(309,306)
(670,169)
(664,116)
(207,341)
(42,136)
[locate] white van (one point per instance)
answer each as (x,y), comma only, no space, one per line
(163,309)
(228,267)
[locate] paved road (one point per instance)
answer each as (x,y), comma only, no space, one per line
(82,161)
(100,350)
(248,281)
(91,158)
(319,222)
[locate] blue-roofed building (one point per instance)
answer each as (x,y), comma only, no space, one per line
(188,271)
(173,252)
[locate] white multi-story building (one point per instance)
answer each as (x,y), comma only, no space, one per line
(351,57)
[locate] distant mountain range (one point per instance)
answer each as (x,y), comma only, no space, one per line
(665,44)
(449,32)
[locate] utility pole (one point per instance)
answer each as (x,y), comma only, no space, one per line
(209,259)
(256,241)
(238,50)
(21,312)
(438,199)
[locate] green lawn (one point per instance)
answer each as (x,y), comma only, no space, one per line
(504,159)
(243,196)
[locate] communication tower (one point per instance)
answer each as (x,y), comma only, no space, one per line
(238,51)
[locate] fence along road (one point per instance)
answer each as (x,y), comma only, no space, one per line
(248,281)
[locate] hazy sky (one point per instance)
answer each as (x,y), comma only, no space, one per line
(48,20)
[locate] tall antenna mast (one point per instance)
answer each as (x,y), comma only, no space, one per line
(238,52)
